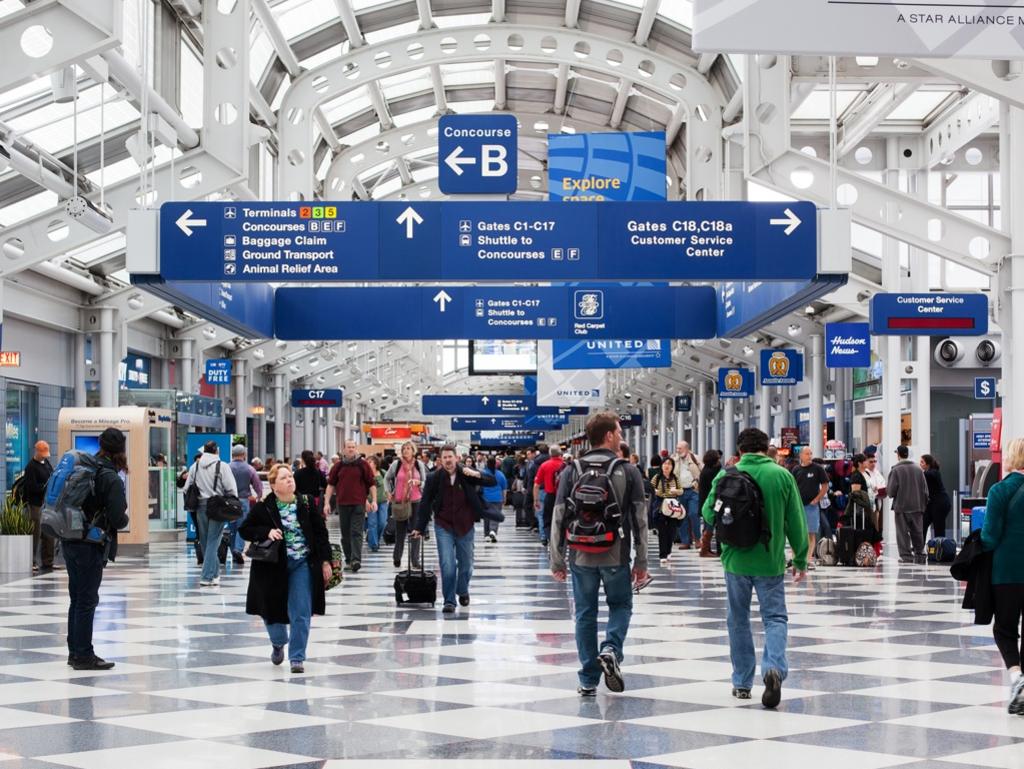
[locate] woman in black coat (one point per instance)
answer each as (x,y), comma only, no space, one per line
(291,590)
(937,511)
(310,481)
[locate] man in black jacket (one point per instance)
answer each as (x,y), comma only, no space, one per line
(85,558)
(37,474)
(450,496)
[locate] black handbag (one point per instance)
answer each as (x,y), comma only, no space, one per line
(223,507)
(267,551)
(192,492)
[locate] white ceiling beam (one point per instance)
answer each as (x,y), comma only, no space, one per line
(705,62)
(350,24)
(425,13)
(572,13)
(437,82)
(647,15)
(859,122)
(619,107)
(561,88)
(498,11)
(500,100)
(379,103)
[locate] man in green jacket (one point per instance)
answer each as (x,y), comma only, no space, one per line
(762,568)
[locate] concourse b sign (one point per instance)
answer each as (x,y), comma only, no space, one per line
(477,154)
(481,241)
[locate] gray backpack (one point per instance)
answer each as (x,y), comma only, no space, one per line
(825,552)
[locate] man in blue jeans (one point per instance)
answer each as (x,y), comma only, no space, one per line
(611,566)
(250,488)
(761,568)
(450,496)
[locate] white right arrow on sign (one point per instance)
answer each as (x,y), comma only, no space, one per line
(791,221)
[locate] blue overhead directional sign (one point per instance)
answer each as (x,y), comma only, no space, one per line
(246,309)
(493,312)
(311,399)
(477,154)
(631,420)
(929,314)
(747,306)
(487,241)
(782,367)
(218,371)
(534,422)
(847,345)
(504,437)
(735,382)
(984,387)
(612,353)
(487,405)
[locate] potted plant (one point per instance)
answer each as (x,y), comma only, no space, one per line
(15,537)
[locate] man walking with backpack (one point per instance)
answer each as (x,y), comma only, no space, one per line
(600,514)
(755,507)
(212,478)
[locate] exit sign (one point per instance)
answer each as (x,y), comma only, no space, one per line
(10,359)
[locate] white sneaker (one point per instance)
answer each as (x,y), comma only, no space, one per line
(215,582)
(664,562)
(811,566)
(1016,705)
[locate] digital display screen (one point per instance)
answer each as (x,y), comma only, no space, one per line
(505,356)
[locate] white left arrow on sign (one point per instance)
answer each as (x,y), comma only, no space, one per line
(442,298)
(410,218)
(185,224)
(455,161)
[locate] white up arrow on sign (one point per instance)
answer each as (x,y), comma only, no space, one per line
(185,224)
(455,161)
(410,219)
(792,221)
(442,298)
(485,400)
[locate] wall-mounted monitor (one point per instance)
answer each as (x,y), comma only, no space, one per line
(502,357)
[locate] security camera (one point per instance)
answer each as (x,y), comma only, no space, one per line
(968,352)
(987,352)
(949,352)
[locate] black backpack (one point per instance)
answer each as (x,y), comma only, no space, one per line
(739,511)
(593,510)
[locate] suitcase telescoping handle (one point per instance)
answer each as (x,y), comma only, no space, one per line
(423,561)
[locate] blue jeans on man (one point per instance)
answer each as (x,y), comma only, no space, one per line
(456,557)
(237,543)
(209,533)
(618,594)
(375,524)
(771,595)
(689,527)
(300,611)
(84,562)
(539,515)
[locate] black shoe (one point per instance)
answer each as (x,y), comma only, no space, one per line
(355,567)
(398,563)
(612,675)
(586,691)
(741,694)
(277,654)
(298,668)
(91,663)
(544,542)
(449,608)
(238,558)
(772,689)
(71,660)
(464,600)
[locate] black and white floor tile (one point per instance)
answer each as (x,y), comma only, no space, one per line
(886,672)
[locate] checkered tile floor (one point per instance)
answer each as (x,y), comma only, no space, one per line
(887,671)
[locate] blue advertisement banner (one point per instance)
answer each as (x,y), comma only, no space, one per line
(847,345)
(735,382)
(312,399)
(606,166)
(496,312)
(477,154)
(487,405)
(929,314)
(218,371)
(782,368)
(487,241)
(612,353)
(503,437)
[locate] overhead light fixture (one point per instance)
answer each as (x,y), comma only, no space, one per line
(809,310)
(64,85)
(81,210)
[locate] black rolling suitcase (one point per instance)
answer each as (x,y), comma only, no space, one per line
(416,586)
(850,537)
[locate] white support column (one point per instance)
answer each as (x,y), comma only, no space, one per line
(241,400)
(783,416)
(648,451)
(728,428)
(187,366)
(700,434)
(889,348)
(279,416)
(662,425)
(817,442)
(921,392)
(841,397)
(107,364)
(80,369)
(681,425)
(764,417)
(261,420)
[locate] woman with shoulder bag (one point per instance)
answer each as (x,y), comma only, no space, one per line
(377,521)
(403,485)
(287,581)
(667,490)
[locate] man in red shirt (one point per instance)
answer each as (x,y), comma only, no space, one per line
(546,480)
(352,481)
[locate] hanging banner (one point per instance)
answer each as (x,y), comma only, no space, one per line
(735,382)
(390,432)
(782,368)
(612,353)
(606,166)
(578,387)
(847,345)
(944,29)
